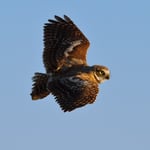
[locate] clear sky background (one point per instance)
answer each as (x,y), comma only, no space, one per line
(119,32)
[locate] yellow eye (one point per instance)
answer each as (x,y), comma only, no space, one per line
(100,73)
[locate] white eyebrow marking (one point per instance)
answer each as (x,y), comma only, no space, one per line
(71,47)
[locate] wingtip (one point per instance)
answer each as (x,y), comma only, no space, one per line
(57,19)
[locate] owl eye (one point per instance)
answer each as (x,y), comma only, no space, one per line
(100,72)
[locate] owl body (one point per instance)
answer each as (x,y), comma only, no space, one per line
(68,77)
(73,89)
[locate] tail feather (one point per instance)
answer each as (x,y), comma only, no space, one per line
(39,86)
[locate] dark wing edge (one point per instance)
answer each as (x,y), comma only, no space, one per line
(63,43)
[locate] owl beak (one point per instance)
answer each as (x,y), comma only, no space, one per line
(108,77)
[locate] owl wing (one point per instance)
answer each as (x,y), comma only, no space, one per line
(73,92)
(64,44)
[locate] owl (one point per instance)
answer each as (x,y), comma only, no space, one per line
(68,77)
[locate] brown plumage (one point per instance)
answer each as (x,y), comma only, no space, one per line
(68,77)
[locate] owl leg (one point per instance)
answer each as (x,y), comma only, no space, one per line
(39,86)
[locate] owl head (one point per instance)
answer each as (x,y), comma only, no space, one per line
(101,73)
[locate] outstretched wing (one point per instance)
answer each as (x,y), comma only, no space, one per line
(64,44)
(73,92)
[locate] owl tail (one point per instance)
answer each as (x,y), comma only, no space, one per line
(39,86)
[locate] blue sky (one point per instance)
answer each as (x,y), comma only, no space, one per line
(119,33)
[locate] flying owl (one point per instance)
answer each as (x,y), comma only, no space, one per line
(68,77)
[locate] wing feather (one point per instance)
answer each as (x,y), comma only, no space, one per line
(73,92)
(64,44)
